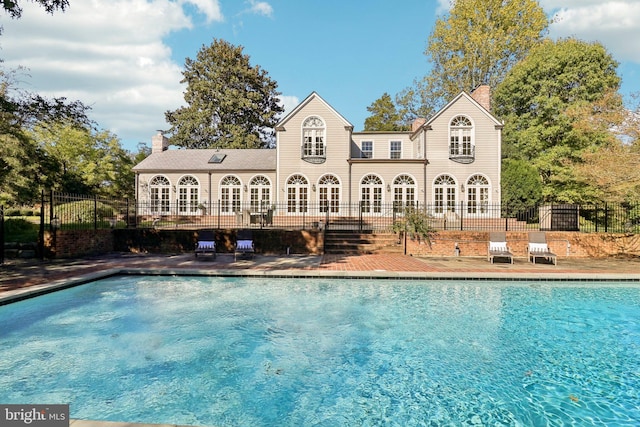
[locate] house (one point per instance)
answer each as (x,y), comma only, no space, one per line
(449,164)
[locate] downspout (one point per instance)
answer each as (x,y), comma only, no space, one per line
(350,195)
(426,162)
(137,180)
(424,170)
(210,196)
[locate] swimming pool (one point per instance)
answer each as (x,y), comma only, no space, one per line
(297,352)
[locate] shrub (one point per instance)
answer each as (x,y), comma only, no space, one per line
(20,230)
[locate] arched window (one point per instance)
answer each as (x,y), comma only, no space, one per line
(188,189)
(297,194)
(477,195)
(371,194)
(313,140)
(230,187)
(444,193)
(461,144)
(404,191)
(260,193)
(329,193)
(159,190)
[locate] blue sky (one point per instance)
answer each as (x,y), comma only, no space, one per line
(124,57)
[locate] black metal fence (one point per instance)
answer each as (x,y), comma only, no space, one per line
(606,217)
(66,211)
(1,234)
(70,211)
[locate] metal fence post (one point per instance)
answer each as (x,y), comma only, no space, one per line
(219,213)
(1,234)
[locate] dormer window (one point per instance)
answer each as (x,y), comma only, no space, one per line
(461,144)
(313,140)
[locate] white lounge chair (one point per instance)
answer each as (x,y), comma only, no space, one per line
(538,248)
(498,247)
(206,243)
(244,244)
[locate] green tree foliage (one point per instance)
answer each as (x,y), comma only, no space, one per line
(88,162)
(521,185)
(230,104)
(554,104)
(25,167)
(476,43)
(384,116)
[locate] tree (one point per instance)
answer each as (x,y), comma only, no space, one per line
(521,185)
(613,167)
(476,43)
(88,161)
(551,103)
(385,116)
(24,167)
(12,7)
(231,104)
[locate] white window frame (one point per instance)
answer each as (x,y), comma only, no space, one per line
(259,193)
(160,194)
(393,151)
(461,137)
(404,190)
(230,194)
(445,194)
(297,194)
(188,190)
(329,193)
(314,138)
(371,193)
(478,194)
(363,151)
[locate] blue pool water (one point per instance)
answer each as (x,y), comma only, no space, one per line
(322,352)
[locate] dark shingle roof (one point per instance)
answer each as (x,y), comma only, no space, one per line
(199,160)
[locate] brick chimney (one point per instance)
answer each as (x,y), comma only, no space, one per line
(159,143)
(417,123)
(482,95)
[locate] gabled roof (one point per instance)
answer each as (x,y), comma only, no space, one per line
(244,159)
(307,100)
(463,94)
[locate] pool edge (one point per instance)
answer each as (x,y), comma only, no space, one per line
(9,297)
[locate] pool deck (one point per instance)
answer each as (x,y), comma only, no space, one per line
(23,278)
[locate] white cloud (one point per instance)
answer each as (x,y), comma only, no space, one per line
(109,54)
(443,6)
(612,23)
(289,103)
(261,8)
(210,8)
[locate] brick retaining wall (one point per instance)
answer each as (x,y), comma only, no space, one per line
(78,243)
(563,244)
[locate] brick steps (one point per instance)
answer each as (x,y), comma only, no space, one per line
(352,242)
